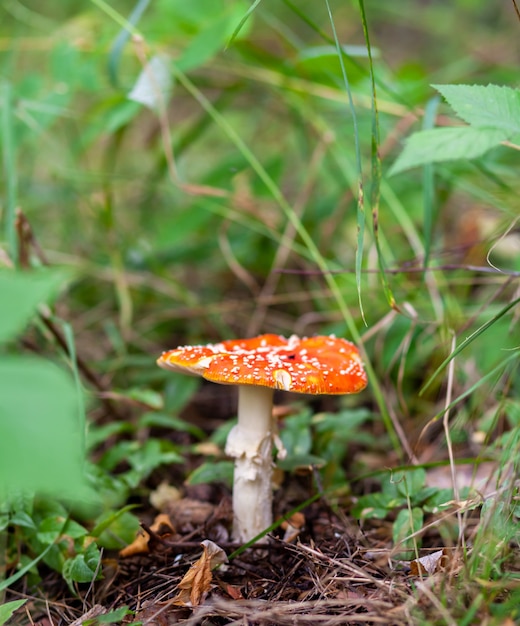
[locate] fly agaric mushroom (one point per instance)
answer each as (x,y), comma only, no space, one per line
(313,365)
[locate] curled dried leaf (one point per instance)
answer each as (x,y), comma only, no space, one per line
(196,583)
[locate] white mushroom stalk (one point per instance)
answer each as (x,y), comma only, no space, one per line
(250,443)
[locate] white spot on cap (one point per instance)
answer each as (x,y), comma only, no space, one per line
(204,363)
(283,379)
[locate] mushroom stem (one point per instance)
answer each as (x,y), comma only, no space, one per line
(250,444)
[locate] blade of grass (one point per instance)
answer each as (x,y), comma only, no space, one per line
(360,214)
(121,40)
(117,17)
(496,372)
(375,192)
(9,162)
(359,66)
(247,14)
(467,341)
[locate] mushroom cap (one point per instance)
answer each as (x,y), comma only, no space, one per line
(313,365)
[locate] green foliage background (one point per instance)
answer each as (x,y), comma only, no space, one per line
(230,205)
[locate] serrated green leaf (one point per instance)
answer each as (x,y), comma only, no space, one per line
(446,144)
(485,106)
(21,293)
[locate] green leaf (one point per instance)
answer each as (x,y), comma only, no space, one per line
(7,610)
(179,390)
(52,527)
(84,567)
(28,566)
(100,434)
(115,530)
(142,458)
(409,482)
(485,106)
(22,519)
(152,419)
(296,435)
(446,144)
(144,396)
(153,453)
(342,423)
(372,505)
(297,461)
(212,472)
(437,499)
(40,446)
(22,292)
(209,40)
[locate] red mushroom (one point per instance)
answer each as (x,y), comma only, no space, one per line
(314,365)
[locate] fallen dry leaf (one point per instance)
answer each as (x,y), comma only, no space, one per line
(138,546)
(197,580)
(162,526)
(233,591)
(293,526)
(431,563)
